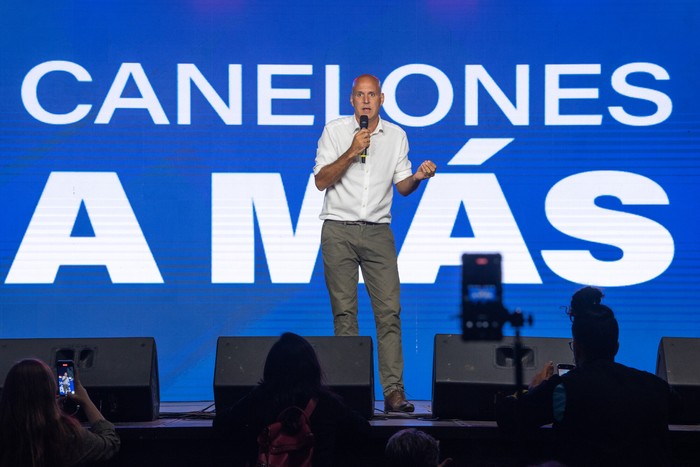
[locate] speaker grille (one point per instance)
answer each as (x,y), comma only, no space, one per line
(347,363)
(467,375)
(678,362)
(119,374)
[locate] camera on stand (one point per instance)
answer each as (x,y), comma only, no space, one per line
(483,313)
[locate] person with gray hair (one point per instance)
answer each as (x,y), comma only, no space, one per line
(413,448)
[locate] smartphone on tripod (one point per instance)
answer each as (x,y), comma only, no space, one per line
(483,313)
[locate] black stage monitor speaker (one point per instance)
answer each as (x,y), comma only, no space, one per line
(468,374)
(119,374)
(678,362)
(347,363)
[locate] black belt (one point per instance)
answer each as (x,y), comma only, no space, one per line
(355,222)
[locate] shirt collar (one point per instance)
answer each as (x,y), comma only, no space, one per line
(379,129)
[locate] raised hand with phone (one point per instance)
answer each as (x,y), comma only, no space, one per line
(602,412)
(36,431)
(76,396)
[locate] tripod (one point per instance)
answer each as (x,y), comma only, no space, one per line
(517,320)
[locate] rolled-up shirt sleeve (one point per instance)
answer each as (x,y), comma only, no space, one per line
(327,151)
(403,165)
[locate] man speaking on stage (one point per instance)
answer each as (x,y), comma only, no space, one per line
(358,160)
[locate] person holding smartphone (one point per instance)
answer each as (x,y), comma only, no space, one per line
(603,413)
(34,431)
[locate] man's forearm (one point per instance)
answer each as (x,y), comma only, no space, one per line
(331,173)
(407,185)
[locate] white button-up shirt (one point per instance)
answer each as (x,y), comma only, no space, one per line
(365,191)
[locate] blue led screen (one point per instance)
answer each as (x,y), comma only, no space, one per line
(156,166)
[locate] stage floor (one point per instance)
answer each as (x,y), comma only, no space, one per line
(183,436)
(201,414)
(198,415)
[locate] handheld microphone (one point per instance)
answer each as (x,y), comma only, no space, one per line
(364,123)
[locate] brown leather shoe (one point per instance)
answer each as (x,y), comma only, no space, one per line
(396,402)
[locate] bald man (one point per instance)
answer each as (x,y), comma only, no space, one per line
(357,167)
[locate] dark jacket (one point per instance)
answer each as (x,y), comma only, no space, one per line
(603,413)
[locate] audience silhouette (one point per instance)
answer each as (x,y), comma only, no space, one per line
(35,432)
(603,413)
(291,377)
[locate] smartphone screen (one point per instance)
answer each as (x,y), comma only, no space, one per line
(483,313)
(66,377)
(564,368)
